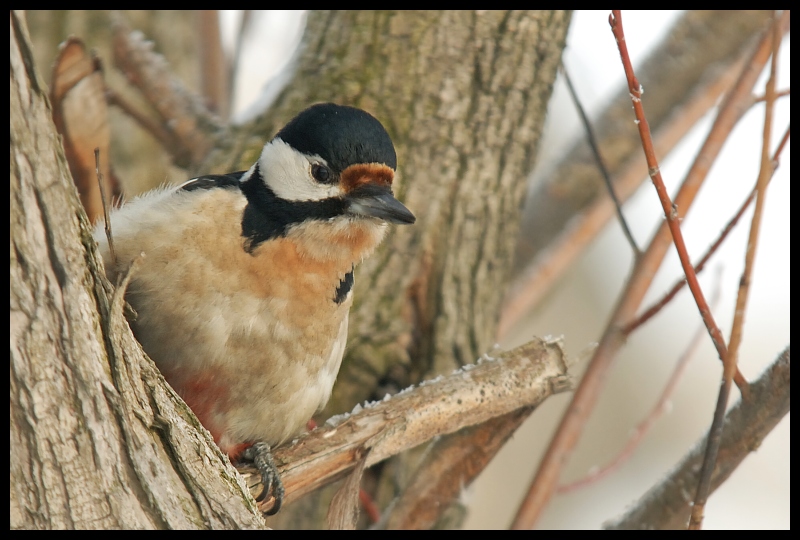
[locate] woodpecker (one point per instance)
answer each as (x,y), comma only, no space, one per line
(243,293)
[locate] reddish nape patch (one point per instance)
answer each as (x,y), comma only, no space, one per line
(369,173)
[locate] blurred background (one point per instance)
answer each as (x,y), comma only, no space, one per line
(577,307)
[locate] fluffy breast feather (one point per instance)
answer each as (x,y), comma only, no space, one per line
(251,341)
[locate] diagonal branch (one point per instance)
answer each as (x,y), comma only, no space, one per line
(667,505)
(661,406)
(519,378)
(670,208)
(190,124)
(686,71)
(577,413)
(592,138)
(730,359)
(656,307)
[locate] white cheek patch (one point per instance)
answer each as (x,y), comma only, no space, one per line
(288,173)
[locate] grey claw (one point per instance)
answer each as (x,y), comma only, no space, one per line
(261,456)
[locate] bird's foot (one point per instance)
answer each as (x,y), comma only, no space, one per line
(261,456)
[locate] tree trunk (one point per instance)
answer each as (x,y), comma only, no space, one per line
(98,440)
(463,95)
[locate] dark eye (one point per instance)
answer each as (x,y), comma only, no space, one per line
(321,173)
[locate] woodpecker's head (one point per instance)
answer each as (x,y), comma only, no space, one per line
(330,161)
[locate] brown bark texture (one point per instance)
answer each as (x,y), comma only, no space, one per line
(97,438)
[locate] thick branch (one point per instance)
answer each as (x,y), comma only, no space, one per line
(667,505)
(522,377)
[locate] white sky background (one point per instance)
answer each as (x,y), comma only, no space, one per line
(757,495)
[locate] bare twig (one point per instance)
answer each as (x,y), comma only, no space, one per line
(522,377)
(214,70)
(729,360)
(658,409)
(184,116)
(685,72)
(104,200)
(670,209)
(782,93)
(148,124)
(577,413)
(657,306)
(369,506)
(590,136)
(538,278)
(667,505)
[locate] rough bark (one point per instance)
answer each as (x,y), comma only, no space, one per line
(98,440)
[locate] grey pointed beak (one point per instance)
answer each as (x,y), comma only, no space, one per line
(371,200)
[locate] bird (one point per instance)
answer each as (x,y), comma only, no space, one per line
(244,281)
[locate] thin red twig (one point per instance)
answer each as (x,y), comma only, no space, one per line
(369,506)
(729,360)
(574,419)
(534,282)
(657,306)
(670,209)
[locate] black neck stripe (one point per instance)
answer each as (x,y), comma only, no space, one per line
(344,287)
(267,216)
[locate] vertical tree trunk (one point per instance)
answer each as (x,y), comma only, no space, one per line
(97,438)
